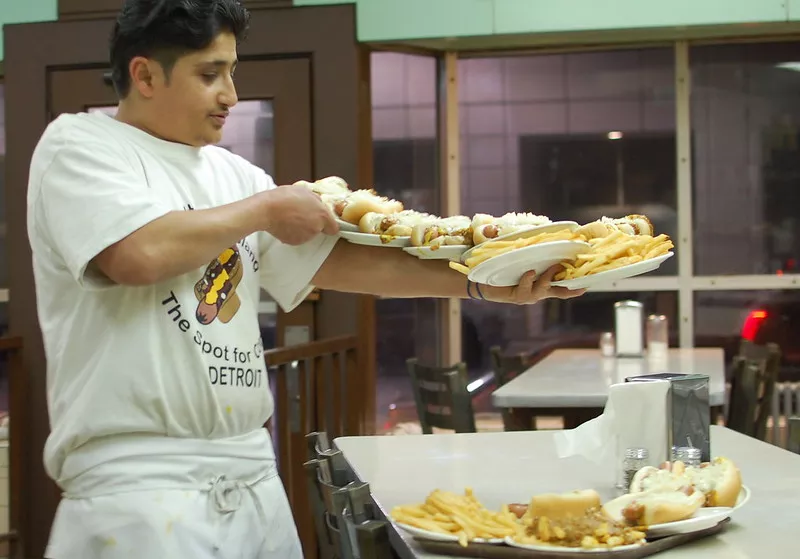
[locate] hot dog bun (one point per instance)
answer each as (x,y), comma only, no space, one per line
(328,185)
(630,225)
(353,207)
(486,227)
(651,508)
(720,481)
(555,505)
(396,225)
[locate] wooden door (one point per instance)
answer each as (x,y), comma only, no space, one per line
(304,61)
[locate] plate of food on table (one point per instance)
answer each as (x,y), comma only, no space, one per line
(664,507)
(499,250)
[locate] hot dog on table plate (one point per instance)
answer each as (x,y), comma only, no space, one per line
(719,481)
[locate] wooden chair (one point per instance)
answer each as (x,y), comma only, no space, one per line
(753,379)
(505,368)
(793,440)
(442,398)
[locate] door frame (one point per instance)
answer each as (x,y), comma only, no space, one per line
(341,145)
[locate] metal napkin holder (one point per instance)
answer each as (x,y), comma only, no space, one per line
(688,409)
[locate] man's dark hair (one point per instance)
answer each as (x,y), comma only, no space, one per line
(165,30)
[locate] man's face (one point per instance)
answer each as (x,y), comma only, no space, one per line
(191,104)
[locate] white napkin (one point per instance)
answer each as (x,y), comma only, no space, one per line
(635,416)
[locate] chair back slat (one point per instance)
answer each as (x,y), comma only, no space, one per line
(793,444)
(505,369)
(442,398)
(753,378)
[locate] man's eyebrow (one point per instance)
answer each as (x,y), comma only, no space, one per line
(216,63)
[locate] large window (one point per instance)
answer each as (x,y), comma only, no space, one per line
(573,136)
(746,140)
(405,163)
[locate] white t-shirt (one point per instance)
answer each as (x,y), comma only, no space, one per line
(182,358)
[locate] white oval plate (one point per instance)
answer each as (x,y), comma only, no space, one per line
(435,536)
(609,276)
(526,233)
(704,518)
(444,252)
(560,549)
(346,225)
(369,239)
(505,270)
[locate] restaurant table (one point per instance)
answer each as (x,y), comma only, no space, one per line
(574,383)
(510,467)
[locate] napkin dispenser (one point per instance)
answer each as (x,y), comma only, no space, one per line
(689,410)
(629,326)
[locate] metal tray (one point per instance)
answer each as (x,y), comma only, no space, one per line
(506,552)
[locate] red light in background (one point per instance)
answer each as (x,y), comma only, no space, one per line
(752,324)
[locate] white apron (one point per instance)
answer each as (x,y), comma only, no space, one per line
(164,498)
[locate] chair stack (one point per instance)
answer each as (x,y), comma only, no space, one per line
(345,519)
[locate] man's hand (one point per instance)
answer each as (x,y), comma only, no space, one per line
(531,290)
(295,215)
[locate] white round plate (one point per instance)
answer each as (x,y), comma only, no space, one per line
(435,536)
(560,549)
(744,496)
(527,232)
(505,270)
(706,517)
(623,272)
(444,252)
(427,534)
(346,225)
(369,239)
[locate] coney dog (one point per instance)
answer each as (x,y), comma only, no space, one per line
(216,291)
(486,227)
(454,230)
(651,508)
(393,225)
(352,207)
(557,505)
(720,481)
(630,225)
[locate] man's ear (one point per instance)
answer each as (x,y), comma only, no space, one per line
(146,74)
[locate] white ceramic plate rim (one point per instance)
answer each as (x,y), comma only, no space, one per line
(528,254)
(603,277)
(370,239)
(435,536)
(558,549)
(526,232)
(704,518)
(744,496)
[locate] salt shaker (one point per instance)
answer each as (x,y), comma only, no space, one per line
(657,336)
(689,455)
(635,459)
(607,345)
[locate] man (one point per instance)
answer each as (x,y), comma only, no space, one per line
(150,247)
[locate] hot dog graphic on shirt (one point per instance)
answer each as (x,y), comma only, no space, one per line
(216,291)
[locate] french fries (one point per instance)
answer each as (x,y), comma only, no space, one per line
(591,530)
(490,249)
(615,251)
(463,516)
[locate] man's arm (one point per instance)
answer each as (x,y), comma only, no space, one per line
(394,273)
(182,241)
